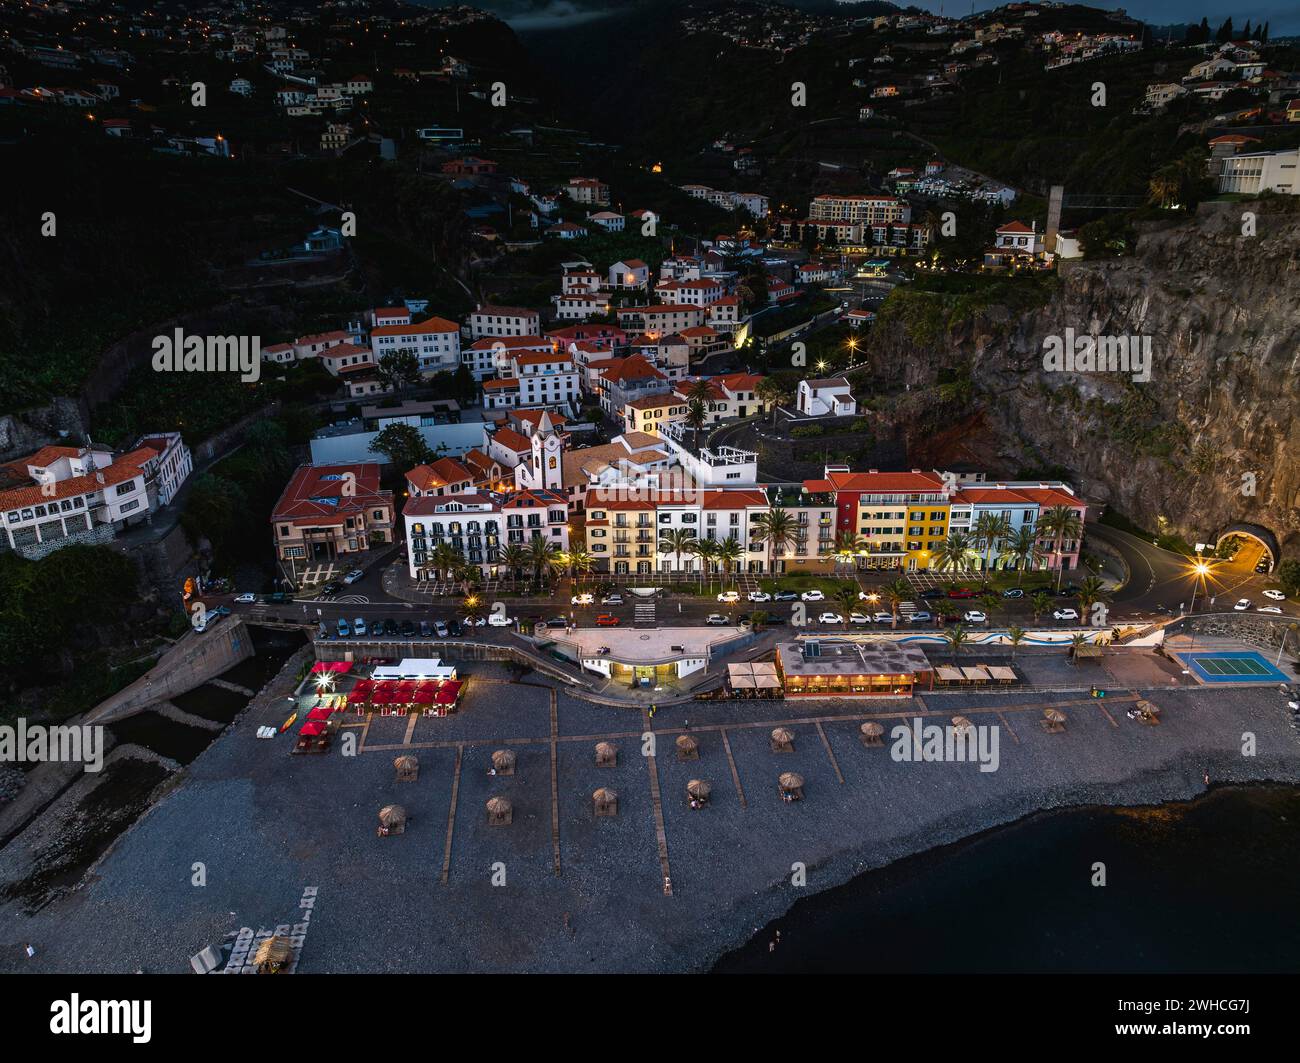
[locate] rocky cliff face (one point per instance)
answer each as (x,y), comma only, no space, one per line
(1211,439)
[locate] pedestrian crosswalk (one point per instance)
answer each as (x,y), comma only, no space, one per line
(644,612)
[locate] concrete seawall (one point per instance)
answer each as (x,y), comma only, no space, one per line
(196,658)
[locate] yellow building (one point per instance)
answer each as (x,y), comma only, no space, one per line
(927,528)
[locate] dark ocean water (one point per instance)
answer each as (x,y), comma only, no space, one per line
(1208,886)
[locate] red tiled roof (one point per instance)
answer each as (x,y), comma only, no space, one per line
(441,473)
(310,482)
(433,324)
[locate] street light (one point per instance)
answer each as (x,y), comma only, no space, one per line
(1198,571)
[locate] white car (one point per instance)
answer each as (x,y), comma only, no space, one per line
(583,599)
(1276,596)
(249,596)
(974,616)
(1242,605)
(830,618)
(716,618)
(353,576)
(883,618)
(1269,609)
(497,620)
(859,618)
(612,599)
(759,596)
(812,596)
(729,597)
(1064,614)
(480,622)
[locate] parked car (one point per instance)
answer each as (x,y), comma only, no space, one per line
(1263,566)
(759,596)
(558,621)
(974,616)
(426,629)
(813,596)
(1242,605)
(729,597)
(343,629)
(1269,609)
(583,599)
(859,618)
(830,618)
(1069,590)
(961,592)
(716,618)
(390,628)
(1013,592)
(441,628)
(785,596)
(1064,614)
(883,617)
(934,592)
(1275,595)
(498,620)
(359,626)
(352,576)
(407,629)
(246,598)
(607,620)
(454,629)
(920,617)
(612,599)
(332,587)
(480,622)
(322,632)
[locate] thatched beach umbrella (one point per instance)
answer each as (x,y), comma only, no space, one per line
(606,801)
(687,748)
(697,793)
(503,761)
(791,785)
(871,733)
(961,725)
(782,740)
(1053,721)
(273,955)
(606,755)
(499,811)
(392,819)
(407,767)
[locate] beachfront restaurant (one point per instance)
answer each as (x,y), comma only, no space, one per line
(832,668)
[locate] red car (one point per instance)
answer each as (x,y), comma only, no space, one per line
(961,592)
(606,620)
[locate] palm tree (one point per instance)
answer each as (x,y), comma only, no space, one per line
(955,636)
(990,527)
(771,392)
(896,593)
(1061,523)
(846,597)
(990,602)
(1023,546)
(1091,591)
(467,576)
(1040,603)
(707,552)
(728,554)
(514,557)
(1075,643)
(677,541)
(444,559)
(848,545)
(1015,636)
(954,553)
(776,528)
(541,557)
(756,620)
(579,560)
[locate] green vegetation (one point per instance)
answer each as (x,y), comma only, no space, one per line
(56,612)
